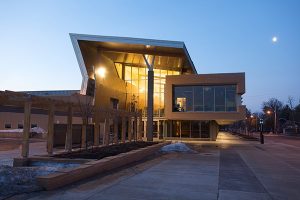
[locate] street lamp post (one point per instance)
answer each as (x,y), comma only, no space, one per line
(261,135)
(255,118)
(275,119)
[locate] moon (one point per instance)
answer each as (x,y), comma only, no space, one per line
(274,39)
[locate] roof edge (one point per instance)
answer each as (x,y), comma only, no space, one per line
(128,40)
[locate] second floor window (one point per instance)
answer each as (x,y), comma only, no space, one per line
(221,98)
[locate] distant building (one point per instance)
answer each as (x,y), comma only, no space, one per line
(12,117)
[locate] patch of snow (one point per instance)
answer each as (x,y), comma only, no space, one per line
(12,131)
(15,180)
(50,167)
(37,130)
(8,162)
(176,147)
(20,130)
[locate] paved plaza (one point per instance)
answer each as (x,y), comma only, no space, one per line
(230,168)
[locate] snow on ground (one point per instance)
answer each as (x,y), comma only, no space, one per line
(12,131)
(8,162)
(176,147)
(16,180)
(32,130)
(49,167)
(38,130)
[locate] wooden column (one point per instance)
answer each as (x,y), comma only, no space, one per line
(106,131)
(83,132)
(129,129)
(96,128)
(165,129)
(140,127)
(123,129)
(135,127)
(68,146)
(145,128)
(50,135)
(26,129)
(171,128)
(116,129)
(158,130)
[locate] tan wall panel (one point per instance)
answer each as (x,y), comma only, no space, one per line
(205,79)
(111,86)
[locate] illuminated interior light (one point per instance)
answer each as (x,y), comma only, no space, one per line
(101,72)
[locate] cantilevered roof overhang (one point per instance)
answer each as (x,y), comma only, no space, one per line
(130,45)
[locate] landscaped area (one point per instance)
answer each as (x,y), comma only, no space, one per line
(105,151)
(34,176)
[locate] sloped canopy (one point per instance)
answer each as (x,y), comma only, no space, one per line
(122,49)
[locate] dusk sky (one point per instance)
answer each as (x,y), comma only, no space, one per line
(221,36)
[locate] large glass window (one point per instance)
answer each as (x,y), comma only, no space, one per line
(220,98)
(189,129)
(204,98)
(230,98)
(209,98)
(136,79)
(198,98)
(183,99)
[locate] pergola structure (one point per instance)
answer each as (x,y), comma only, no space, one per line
(71,106)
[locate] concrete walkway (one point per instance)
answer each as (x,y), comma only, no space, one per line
(227,169)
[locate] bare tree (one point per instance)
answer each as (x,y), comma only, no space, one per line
(291,103)
(86,109)
(273,105)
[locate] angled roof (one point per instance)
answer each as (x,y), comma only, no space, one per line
(130,45)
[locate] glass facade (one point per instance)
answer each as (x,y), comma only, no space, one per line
(136,79)
(189,129)
(221,98)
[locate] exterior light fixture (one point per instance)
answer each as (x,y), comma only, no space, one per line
(268,112)
(101,72)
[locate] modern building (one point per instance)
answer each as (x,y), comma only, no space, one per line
(159,79)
